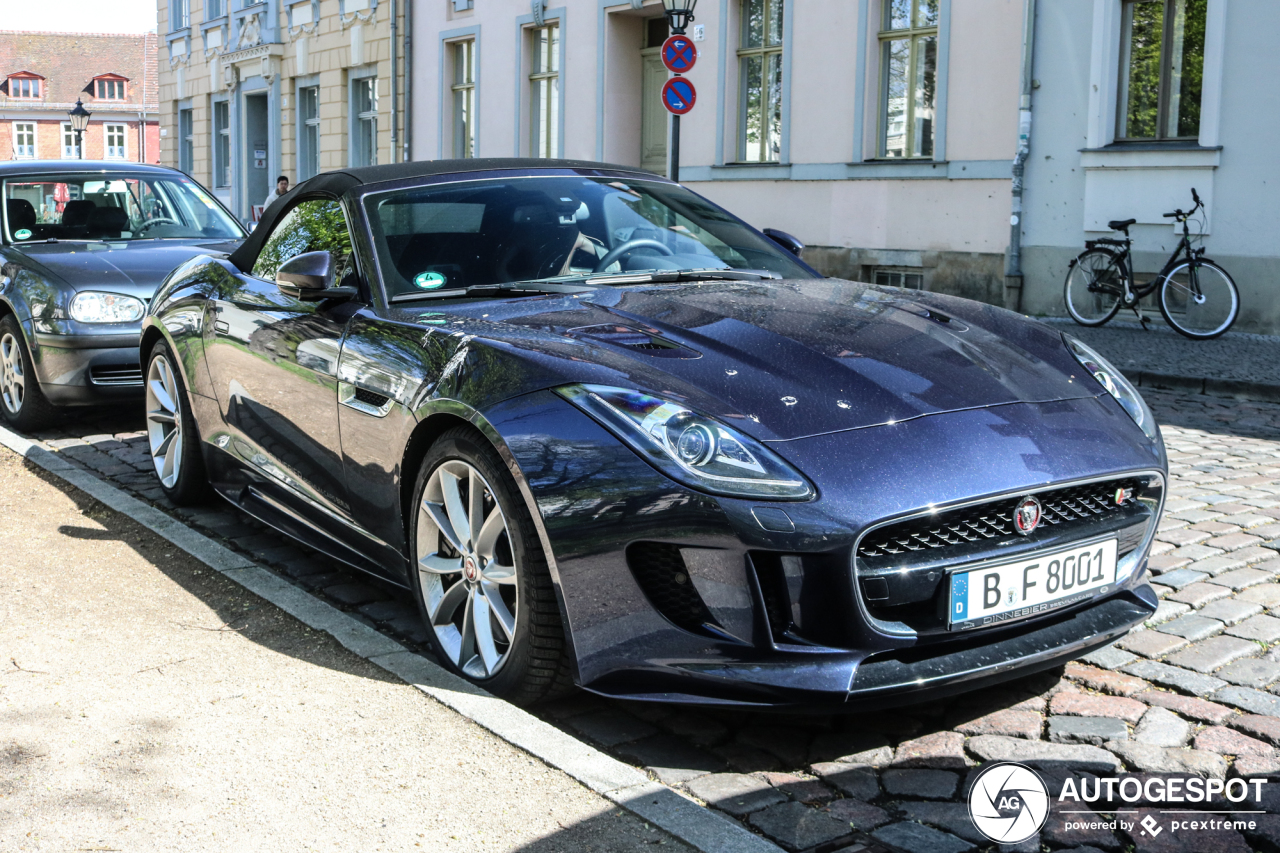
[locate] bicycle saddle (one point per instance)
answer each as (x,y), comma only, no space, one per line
(1120,224)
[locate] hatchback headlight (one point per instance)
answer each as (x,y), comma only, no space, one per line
(688,447)
(1117,386)
(93,307)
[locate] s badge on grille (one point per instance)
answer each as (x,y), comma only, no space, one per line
(1026,515)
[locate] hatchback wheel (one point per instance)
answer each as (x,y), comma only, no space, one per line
(482,580)
(22,403)
(171,431)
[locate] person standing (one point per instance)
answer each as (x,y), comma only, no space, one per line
(282,187)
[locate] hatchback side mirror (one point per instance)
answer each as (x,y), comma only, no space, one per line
(307,276)
(785,240)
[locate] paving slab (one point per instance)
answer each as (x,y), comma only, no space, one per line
(1183,680)
(1162,727)
(1093,705)
(1263,629)
(1230,611)
(857,814)
(1224,741)
(1091,730)
(1248,699)
(1191,707)
(918,838)
(1079,757)
(735,793)
(851,780)
(1157,759)
(1192,627)
(798,827)
(929,784)
(1152,644)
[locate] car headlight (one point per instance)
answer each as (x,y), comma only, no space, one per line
(1117,386)
(693,449)
(93,307)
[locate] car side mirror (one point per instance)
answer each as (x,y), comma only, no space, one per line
(307,276)
(785,240)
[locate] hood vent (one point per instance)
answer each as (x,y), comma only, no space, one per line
(648,341)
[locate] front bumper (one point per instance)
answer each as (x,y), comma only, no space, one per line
(86,370)
(712,633)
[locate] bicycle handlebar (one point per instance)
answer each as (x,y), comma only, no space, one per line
(1175,213)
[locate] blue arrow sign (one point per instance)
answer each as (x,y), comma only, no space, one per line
(678,95)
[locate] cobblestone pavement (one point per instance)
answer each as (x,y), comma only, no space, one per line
(1196,690)
(1234,357)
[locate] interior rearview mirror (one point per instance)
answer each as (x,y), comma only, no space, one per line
(785,240)
(308,275)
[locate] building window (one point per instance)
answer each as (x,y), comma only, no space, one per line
(309,150)
(222,144)
(760,82)
(25,88)
(364,106)
(115,141)
(464,98)
(24,140)
(109,90)
(909,77)
(909,278)
(544,91)
(214,9)
(70,151)
(1161,69)
(186,141)
(181,14)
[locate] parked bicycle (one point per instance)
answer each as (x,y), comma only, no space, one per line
(1197,297)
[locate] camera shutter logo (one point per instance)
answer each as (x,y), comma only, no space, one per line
(1008,803)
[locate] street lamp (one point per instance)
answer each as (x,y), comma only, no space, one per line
(679,14)
(79,121)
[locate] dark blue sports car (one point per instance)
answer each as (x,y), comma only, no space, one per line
(608,434)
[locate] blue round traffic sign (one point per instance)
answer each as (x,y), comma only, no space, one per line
(679,54)
(678,96)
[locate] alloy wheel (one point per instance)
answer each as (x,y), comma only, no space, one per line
(467,569)
(13,382)
(164,421)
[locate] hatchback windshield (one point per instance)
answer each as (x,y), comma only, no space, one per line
(557,228)
(100,206)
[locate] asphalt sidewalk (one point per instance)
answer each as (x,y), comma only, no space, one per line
(1239,365)
(150,703)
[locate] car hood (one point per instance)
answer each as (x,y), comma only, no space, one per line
(786,360)
(133,268)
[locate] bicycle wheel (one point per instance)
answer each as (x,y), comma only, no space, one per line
(1093,288)
(1199,299)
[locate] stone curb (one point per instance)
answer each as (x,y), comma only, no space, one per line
(1239,389)
(617,782)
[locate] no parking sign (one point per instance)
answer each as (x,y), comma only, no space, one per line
(678,95)
(679,54)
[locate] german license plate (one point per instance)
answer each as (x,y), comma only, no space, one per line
(987,595)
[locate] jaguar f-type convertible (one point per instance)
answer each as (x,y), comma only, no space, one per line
(609,434)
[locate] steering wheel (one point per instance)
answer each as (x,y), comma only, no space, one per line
(618,251)
(158,220)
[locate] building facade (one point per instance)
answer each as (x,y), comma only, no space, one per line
(253,90)
(42,75)
(1138,103)
(879,132)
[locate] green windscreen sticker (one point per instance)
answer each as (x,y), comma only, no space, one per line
(21,234)
(428,281)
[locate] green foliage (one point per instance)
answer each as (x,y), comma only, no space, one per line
(312,226)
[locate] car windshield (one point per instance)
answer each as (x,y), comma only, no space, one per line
(102,206)
(486,232)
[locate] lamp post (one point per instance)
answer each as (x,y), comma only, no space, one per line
(79,121)
(679,16)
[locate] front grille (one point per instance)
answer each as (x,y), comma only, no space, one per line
(662,574)
(993,519)
(116,374)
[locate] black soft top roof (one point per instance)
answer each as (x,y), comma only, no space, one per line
(339,182)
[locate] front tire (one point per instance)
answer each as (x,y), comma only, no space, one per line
(22,402)
(1199,300)
(1094,287)
(172,434)
(480,575)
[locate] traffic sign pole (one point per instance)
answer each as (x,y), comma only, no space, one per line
(679,56)
(675,147)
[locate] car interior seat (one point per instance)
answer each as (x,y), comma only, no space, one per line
(21,215)
(107,223)
(75,217)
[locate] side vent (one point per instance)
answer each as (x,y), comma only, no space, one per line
(662,575)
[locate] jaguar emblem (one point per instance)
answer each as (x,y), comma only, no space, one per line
(1026,516)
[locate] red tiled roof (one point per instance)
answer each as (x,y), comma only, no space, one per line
(68,61)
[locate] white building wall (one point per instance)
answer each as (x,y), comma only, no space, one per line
(1071,193)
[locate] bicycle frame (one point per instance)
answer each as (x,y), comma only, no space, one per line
(1182,253)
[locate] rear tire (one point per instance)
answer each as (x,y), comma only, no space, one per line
(1219,304)
(1094,286)
(22,402)
(172,434)
(480,576)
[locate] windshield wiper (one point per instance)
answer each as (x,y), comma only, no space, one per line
(660,276)
(521,288)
